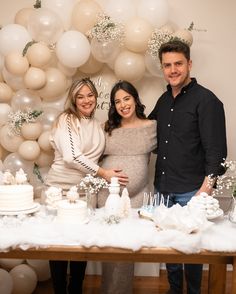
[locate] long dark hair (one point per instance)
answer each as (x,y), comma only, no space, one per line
(114,119)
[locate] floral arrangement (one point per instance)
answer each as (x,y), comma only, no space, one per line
(106,30)
(18,118)
(92,184)
(226,181)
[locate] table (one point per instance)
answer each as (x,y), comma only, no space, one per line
(217,260)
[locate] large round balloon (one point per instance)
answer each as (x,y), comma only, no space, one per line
(45,159)
(5,93)
(24,279)
(184,35)
(105,51)
(45,25)
(13,37)
(39,54)
(6,282)
(44,141)
(73,49)
(29,150)
(153,65)
(31,131)
(63,8)
(16,63)
(154,11)
(14,162)
(129,66)
(41,267)
(15,82)
(24,100)
(85,14)
(120,11)
(4,111)
(9,141)
(34,78)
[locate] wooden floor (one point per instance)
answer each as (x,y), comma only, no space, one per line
(142,285)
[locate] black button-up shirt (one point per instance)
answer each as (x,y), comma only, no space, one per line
(191,138)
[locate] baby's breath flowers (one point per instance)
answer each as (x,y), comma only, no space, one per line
(92,184)
(18,118)
(106,29)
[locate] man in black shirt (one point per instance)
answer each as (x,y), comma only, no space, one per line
(191,144)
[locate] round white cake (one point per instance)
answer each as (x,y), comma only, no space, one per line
(16,197)
(72,212)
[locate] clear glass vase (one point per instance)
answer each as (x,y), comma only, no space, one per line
(232,211)
(91,199)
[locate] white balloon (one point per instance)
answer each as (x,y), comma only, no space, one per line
(63,8)
(73,49)
(4,111)
(153,65)
(6,282)
(13,37)
(45,25)
(154,11)
(24,279)
(14,162)
(24,100)
(121,10)
(9,263)
(41,267)
(48,117)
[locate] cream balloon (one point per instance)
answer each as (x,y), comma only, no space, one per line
(35,78)
(41,267)
(105,51)
(121,10)
(16,63)
(9,141)
(137,33)
(24,100)
(39,55)
(56,84)
(45,25)
(6,282)
(31,130)
(13,37)
(85,14)
(45,159)
(154,11)
(91,66)
(63,8)
(24,279)
(14,162)
(153,65)
(68,71)
(6,92)
(5,109)
(22,16)
(15,82)
(184,35)
(129,66)
(48,117)
(44,141)
(73,49)
(8,263)
(29,150)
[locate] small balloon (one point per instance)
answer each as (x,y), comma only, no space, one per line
(29,150)
(45,159)
(48,117)
(9,140)
(91,66)
(44,141)
(34,78)
(9,263)
(105,51)
(5,93)
(39,55)
(5,109)
(22,16)
(16,63)
(14,162)
(41,267)
(31,131)
(6,282)
(184,35)
(120,11)
(153,65)
(24,100)
(15,82)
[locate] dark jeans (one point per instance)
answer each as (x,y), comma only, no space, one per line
(58,270)
(193,272)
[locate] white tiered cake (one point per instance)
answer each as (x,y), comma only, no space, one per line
(16,196)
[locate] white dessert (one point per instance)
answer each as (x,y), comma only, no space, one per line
(72,212)
(53,195)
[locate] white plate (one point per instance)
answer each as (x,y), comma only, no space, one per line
(219,213)
(32,209)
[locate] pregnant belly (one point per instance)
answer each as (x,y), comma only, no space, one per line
(135,167)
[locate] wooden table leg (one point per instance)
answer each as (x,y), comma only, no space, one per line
(217,279)
(233,290)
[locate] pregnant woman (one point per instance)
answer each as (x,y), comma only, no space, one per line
(130,139)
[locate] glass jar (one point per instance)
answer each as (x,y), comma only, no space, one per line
(232,211)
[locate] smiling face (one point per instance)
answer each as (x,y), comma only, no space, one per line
(85,101)
(125,104)
(176,69)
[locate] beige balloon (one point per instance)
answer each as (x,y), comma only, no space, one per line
(56,84)
(16,63)
(129,66)
(44,141)
(6,93)
(39,54)
(137,33)
(85,14)
(29,150)
(34,78)
(22,16)
(68,71)
(32,130)
(9,141)
(91,66)
(45,159)
(184,35)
